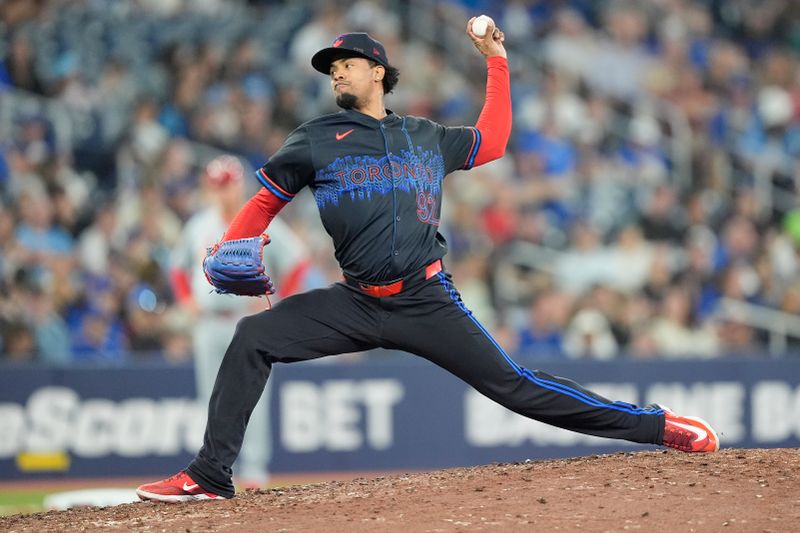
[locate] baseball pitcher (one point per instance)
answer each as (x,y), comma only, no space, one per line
(377,179)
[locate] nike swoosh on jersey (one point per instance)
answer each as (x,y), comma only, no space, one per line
(189,488)
(340,136)
(700,432)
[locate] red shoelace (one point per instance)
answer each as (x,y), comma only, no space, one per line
(678,438)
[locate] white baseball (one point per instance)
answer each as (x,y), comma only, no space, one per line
(481,24)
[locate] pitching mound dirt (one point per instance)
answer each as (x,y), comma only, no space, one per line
(734,490)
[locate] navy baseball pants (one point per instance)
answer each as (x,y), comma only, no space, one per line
(428,319)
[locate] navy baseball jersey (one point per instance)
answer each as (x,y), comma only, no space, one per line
(377,184)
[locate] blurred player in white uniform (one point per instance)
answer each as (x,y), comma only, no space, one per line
(215,315)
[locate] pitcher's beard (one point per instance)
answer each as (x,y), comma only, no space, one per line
(346,100)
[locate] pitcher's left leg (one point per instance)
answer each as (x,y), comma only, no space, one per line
(434,323)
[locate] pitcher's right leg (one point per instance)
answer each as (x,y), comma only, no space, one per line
(321,322)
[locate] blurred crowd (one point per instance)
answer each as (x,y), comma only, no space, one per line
(650,178)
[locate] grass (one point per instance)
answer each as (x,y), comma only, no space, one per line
(22,501)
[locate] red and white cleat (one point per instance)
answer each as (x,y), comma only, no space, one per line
(178,488)
(689,433)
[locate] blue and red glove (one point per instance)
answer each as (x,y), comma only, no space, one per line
(236,267)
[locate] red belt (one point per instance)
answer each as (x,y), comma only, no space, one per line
(390,289)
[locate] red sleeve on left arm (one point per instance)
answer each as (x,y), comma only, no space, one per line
(255,216)
(494,122)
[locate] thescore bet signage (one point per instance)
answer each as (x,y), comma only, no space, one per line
(397,414)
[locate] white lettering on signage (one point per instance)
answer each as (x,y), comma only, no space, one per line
(776,411)
(56,419)
(50,414)
(338,415)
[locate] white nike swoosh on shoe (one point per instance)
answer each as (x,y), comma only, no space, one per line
(701,433)
(189,488)
(175,498)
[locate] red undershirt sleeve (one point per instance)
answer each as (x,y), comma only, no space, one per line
(494,122)
(254,217)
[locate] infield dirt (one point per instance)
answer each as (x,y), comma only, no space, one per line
(733,490)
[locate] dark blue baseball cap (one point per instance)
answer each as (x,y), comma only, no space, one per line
(350,45)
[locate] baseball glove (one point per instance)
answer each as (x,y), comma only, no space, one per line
(235,267)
